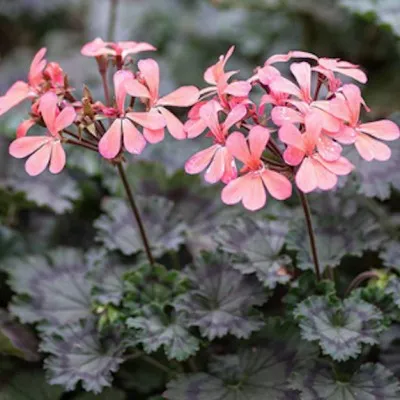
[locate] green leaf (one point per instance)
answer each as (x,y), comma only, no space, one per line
(256,245)
(58,290)
(29,385)
(256,374)
(370,382)
(391,255)
(118,230)
(79,353)
(155,329)
(221,299)
(389,345)
(340,328)
(16,339)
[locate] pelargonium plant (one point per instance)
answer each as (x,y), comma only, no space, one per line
(207,324)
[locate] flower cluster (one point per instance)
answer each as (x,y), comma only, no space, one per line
(293,132)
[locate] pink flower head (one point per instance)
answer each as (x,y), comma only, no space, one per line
(21,90)
(147,87)
(251,188)
(55,74)
(287,57)
(98,48)
(307,149)
(123,128)
(45,150)
(218,159)
(327,67)
(347,106)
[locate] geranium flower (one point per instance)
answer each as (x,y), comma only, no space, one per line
(148,88)
(45,150)
(98,47)
(315,171)
(123,128)
(251,188)
(347,106)
(218,159)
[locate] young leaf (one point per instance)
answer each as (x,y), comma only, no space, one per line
(221,299)
(117,229)
(155,329)
(340,329)
(256,245)
(29,385)
(78,353)
(58,290)
(370,382)
(256,374)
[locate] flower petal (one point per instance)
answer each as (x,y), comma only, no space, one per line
(238,88)
(26,145)
(24,127)
(151,120)
(233,192)
(341,166)
(277,184)
(235,115)
(371,149)
(254,196)
(120,81)
(326,179)
(134,141)
(136,89)
(199,161)
(110,143)
(18,92)
(216,169)
(48,108)
(258,139)
(194,128)
(328,148)
(185,96)
(58,158)
(35,76)
(306,178)
(290,135)
(237,146)
(65,118)
(382,129)
(153,135)
(281,115)
(302,73)
(151,73)
(293,155)
(39,160)
(174,126)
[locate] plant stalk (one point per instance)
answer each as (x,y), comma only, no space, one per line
(136,213)
(310,230)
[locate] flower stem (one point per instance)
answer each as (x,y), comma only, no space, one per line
(307,214)
(136,213)
(81,144)
(359,279)
(106,89)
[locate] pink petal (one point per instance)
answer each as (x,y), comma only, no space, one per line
(293,156)
(134,141)
(153,136)
(209,114)
(371,149)
(277,184)
(306,178)
(290,135)
(151,120)
(329,122)
(199,161)
(58,158)
(194,128)
(65,118)
(39,160)
(254,196)
(48,108)
(302,73)
(341,166)
(326,180)
(95,48)
(136,48)
(237,146)
(230,166)
(382,129)
(235,115)
(174,126)
(120,81)
(233,192)
(345,135)
(26,145)
(239,89)
(24,127)
(258,139)
(216,169)
(313,124)
(151,73)
(267,74)
(110,143)
(281,115)
(354,73)
(185,96)
(35,76)
(352,94)
(136,89)
(18,92)
(281,84)
(328,149)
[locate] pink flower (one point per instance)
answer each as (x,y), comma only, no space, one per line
(98,48)
(346,106)
(123,128)
(218,159)
(21,90)
(45,150)
(251,188)
(147,87)
(315,171)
